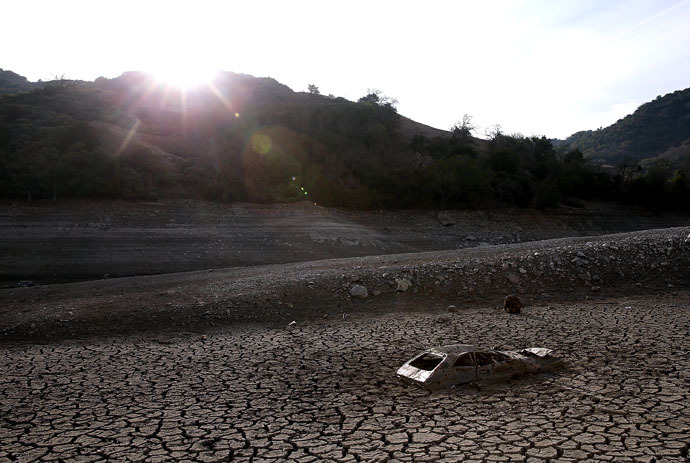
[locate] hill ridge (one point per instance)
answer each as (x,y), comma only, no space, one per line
(654,130)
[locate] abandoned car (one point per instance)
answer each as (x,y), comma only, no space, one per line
(460,363)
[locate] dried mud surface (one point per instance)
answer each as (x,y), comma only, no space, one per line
(325,390)
(280,362)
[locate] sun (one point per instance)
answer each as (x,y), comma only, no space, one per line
(183,76)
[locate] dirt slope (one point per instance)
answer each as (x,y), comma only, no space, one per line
(75,241)
(553,270)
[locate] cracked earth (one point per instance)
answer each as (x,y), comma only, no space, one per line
(325,390)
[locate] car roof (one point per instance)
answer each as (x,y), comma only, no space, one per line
(455,349)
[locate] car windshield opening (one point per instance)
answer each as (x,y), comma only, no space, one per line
(426,362)
(465,360)
(490,358)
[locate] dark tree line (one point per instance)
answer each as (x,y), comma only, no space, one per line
(530,172)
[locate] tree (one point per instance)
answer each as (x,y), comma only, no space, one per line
(574,157)
(313,89)
(458,180)
(463,129)
(375,96)
(495,132)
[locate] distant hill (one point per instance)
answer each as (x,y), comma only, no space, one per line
(659,129)
(11,83)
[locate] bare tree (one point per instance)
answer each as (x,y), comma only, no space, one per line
(377,97)
(464,128)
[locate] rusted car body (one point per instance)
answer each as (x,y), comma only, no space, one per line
(461,363)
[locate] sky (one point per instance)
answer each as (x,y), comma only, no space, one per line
(534,67)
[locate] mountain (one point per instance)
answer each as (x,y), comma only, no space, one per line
(657,130)
(242,138)
(11,83)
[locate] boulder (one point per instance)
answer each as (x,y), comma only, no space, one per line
(444,219)
(512,304)
(359,291)
(403,284)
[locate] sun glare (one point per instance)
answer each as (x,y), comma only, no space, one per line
(183,77)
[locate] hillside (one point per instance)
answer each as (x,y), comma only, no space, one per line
(247,139)
(11,82)
(241,139)
(657,129)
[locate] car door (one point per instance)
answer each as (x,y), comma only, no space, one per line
(464,369)
(494,366)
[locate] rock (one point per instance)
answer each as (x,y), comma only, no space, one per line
(512,304)
(470,238)
(452,308)
(513,278)
(25,283)
(522,270)
(376,292)
(444,219)
(359,291)
(403,284)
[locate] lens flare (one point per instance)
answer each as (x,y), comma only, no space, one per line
(261,143)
